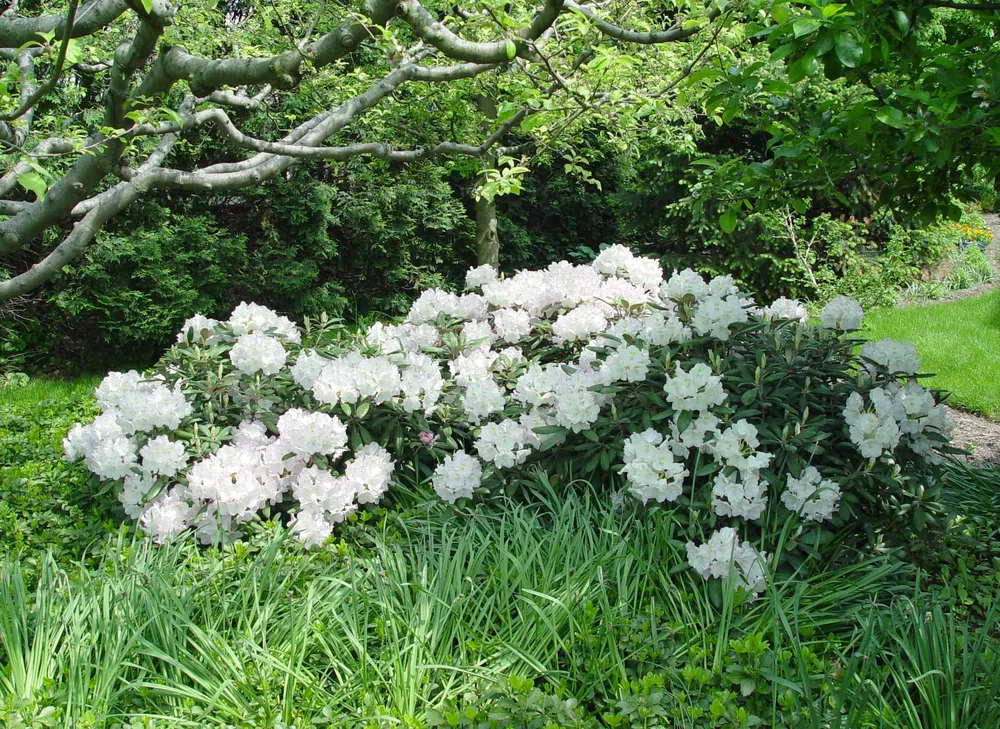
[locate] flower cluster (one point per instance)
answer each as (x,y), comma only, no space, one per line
(811,495)
(625,372)
(723,556)
(894,414)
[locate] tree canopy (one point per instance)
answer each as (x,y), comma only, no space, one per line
(856,105)
(141,75)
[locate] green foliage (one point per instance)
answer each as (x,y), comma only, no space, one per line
(397,239)
(122,299)
(299,245)
(490,618)
(47,504)
(969,267)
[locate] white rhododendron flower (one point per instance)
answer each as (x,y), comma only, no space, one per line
(256,352)
(457,477)
(741,494)
(579,323)
(352,377)
(163,457)
(482,398)
(512,325)
(254,319)
(252,433)
(782,308)
(650,468)
(684,284)
(370,472)
(810,494)
(167,517)
(724,555)
(141,404)
(697,389)
(476,278)
(628,364)
(503,444)
(716,314)
(311,527)
(420,383)
(842,313)
(602,358)
(235,482)
(661,330)
(700,431)
(201,329)
(320,491)
(311,434)
(896,357)
(307,368)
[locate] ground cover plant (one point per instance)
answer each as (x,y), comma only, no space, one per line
(46,504)
(956,341)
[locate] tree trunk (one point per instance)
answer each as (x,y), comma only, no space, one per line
(487,238)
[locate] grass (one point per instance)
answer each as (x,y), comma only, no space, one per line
(958,342)
(414,615)
(40,390)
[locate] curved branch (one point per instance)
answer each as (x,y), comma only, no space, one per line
(29,99)
(16,31)
(652,37)
(88,170)
(282,71)
(379,150)
(72,246)
(433,31)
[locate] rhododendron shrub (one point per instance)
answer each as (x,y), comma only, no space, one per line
(754,425)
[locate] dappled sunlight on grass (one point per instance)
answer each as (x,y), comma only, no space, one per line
(46,389)
(958,342)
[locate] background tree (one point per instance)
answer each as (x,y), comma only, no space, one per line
(551,65)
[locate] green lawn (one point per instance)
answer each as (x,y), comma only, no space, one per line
(959,342)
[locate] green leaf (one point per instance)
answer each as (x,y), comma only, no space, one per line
(728,220)
(891,116)
(74,52)
(780,13)
(848,50)
(902,21)
(511,50)
(530,122)
(805,26)
(33,181)
(147,5)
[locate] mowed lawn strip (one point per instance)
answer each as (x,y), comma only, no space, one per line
(959,342)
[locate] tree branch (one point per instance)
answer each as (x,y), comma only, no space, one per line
(16,31)
(431,30)
(653,37)
(29,100)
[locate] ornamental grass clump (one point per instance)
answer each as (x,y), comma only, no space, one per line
(768,437)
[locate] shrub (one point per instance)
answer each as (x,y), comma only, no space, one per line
(749,425)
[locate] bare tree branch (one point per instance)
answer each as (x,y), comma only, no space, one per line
(246,84)
(31,94)
(632,36)
(16,31)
